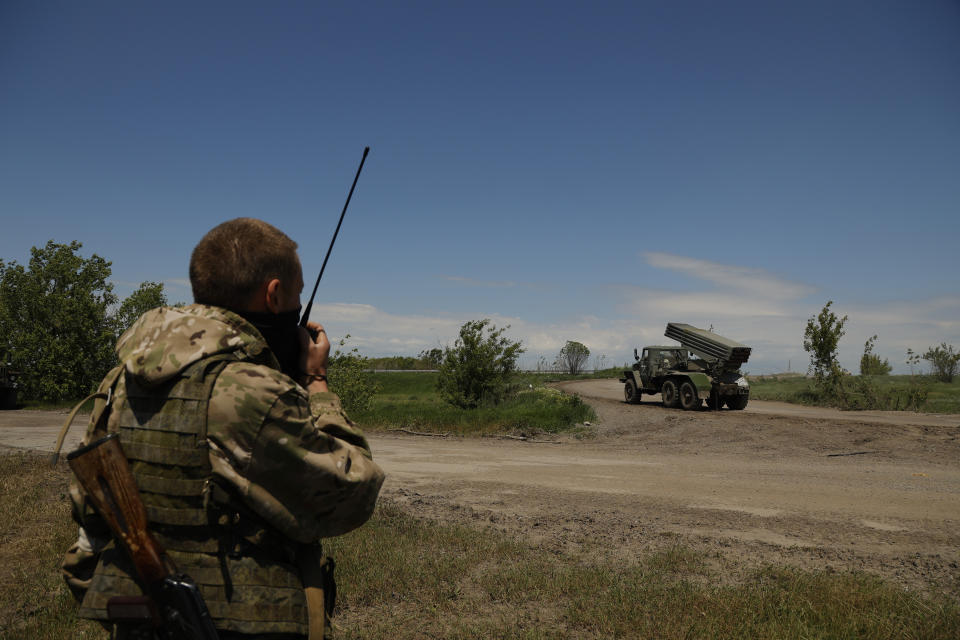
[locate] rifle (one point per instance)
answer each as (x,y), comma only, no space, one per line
(306,313)
(174,605)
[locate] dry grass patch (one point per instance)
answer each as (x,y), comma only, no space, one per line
(35,530)
(403,577)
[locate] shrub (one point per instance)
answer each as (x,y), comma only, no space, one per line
(944,361)
(350,378)
(479,366)
(870,363)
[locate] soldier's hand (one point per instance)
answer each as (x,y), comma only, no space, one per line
(314,357)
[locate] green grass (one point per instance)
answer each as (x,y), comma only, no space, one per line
(403,577)
(410,400)
(472,583)
(941,397)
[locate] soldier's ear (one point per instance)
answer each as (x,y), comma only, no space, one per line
(272,296)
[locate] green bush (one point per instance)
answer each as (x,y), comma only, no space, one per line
(479,367)
(944,361)
(349,377)
(870,363)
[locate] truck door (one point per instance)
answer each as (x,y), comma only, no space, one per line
(645,369)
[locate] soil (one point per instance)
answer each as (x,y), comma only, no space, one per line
(775,483)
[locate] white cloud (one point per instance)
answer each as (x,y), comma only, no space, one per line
(758,282)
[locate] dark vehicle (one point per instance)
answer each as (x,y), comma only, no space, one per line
(705,366)
(8,386)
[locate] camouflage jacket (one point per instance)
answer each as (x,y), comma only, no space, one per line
(293,458)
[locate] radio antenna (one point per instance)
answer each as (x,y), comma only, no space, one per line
(306,312)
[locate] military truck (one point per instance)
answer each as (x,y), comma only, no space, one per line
(705,366)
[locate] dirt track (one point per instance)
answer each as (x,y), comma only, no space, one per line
(774,483)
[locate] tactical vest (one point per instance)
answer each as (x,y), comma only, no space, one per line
(244,570)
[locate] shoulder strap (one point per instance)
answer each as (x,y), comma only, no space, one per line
(98,420)
(208,370)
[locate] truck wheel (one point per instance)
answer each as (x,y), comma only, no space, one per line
(689,399)
(669,394)
(737,402)
(630,393)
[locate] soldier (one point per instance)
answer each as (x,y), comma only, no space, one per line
(243,456)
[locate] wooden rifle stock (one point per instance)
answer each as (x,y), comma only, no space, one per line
(175,602)
(104,473)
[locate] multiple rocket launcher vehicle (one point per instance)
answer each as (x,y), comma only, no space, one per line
(705,367)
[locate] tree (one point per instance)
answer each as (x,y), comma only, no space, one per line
(349,376)
(54,321)
(433,357)
(820,339)
(59,320)
(573,356)
(478,368)
(148,296)
(944,361)
(870,363)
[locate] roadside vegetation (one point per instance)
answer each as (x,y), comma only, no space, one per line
(404,577)
(874,388)
(411,400)
(476,390)
(885,393)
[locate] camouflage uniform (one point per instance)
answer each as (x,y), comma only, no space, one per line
(240,469)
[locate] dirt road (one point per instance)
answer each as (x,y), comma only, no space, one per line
(810,487)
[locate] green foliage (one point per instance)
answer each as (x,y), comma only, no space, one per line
(864,393)
(944,361)
(478,368)
(870,363)
(573,356)
(411,400)
(350,378)
(393,363)
(433,357)
(148,296)
(403,363)
(58,321)
(887,393)
(913,360)
(820,339)
(55,322)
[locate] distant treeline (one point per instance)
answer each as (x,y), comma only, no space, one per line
(401,363)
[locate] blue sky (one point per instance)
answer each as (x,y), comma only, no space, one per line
(580,171)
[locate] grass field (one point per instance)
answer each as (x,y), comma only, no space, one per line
(403,577)
(941,397)
(410,400)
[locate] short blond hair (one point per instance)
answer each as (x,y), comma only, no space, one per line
(236,257)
